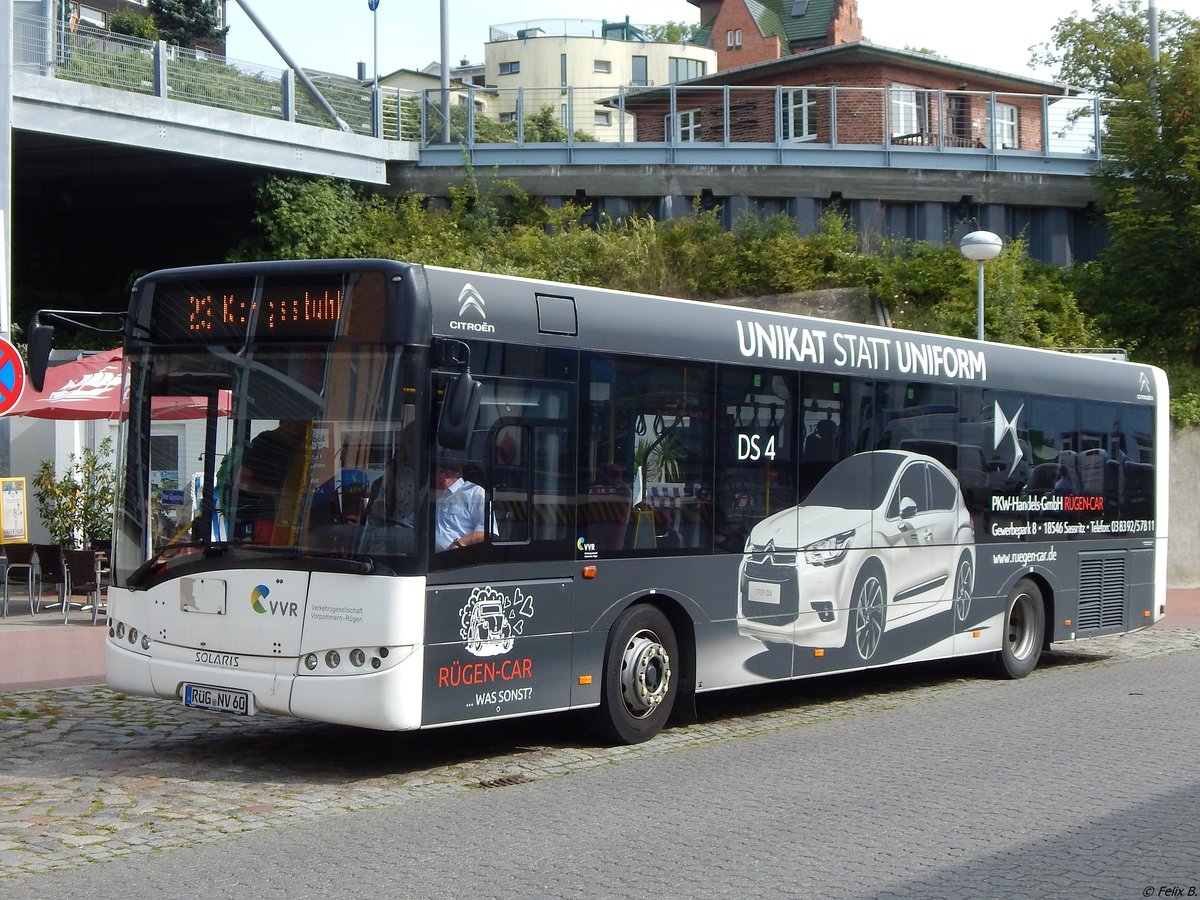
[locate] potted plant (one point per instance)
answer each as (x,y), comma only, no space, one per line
(77,507)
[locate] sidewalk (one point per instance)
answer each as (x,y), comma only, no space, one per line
(38,652)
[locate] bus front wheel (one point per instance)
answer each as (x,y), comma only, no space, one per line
(639,683)
(1023,631)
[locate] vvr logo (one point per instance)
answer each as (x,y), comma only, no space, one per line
(275,607)
(471,301)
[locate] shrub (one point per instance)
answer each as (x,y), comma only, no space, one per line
(77,507)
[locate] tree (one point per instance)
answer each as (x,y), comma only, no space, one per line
(1144,288)
(1108,53)
(187,22)
(125,21)
(77,507)
(672,33)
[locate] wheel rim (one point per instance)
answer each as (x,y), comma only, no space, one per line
(963,579)
(868,619)
(1021,629)
(645,674)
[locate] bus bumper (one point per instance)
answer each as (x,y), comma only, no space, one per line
(388,700)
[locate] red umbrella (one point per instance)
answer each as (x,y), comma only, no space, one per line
(90,388)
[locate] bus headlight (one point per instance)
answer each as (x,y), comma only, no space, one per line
(350,661)
(829,551)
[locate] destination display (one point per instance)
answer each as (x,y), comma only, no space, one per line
(228,311)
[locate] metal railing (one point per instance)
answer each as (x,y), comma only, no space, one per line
(681,115)
(600,28)
(105,59)
(788,120)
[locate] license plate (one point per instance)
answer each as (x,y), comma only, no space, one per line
(763,592)
(203,696)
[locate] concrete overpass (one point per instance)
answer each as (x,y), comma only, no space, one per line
(146,124)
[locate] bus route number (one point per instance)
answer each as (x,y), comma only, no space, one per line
(752,447)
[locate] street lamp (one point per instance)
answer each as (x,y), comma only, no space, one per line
(373,5)
(980,246)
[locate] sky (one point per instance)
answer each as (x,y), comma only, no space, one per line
(334,35)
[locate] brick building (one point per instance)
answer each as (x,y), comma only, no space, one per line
(851,93)
(744,32)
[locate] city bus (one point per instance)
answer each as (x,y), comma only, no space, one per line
(666,498)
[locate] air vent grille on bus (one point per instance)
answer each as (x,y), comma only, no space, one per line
(1101,592)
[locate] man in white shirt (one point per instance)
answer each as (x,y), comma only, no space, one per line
(461,509)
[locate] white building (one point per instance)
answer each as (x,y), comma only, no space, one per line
(572,64)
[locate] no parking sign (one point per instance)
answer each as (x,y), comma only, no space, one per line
(12,376)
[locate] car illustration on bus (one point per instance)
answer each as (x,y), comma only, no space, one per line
(883,540)
(489,632)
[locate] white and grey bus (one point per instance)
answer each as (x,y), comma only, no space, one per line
(677,497)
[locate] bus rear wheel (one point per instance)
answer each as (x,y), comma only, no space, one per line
(639,685)
(1024,629)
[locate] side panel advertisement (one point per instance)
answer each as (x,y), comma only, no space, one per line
(497,649)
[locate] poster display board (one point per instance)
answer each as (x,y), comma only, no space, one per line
(14,523)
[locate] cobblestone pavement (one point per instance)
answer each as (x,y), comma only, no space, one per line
(88,775)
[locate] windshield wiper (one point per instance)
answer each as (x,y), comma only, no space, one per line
(171,552)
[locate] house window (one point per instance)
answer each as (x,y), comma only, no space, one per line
(603,66)
(602,118)
(683,126)
(799,115)
(640,71)
(733,39)
(1004,125)
(680,69)
(910,114)
(508,117)
(93,16)
(510,68)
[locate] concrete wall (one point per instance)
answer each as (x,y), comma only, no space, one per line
(1183,557)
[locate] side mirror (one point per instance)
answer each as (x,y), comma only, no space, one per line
(908,508)
(460,411)
(41,339)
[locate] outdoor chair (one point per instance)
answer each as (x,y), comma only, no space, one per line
(21,567)
(84,579)
(53,573)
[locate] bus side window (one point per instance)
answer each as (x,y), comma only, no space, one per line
(521,454)
(758,451)
(822,405)
(646,473)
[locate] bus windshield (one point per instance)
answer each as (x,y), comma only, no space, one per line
(303,451)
